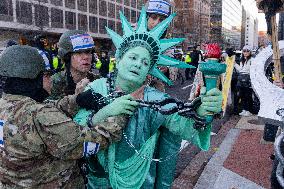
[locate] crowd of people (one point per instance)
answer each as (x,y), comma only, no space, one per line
(61,127)
(70,118)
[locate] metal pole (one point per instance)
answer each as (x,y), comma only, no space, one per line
(276,52)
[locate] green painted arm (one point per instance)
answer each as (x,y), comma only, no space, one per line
(183,127)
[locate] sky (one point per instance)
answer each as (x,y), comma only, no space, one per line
(261,22)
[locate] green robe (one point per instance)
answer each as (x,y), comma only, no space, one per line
(141,126)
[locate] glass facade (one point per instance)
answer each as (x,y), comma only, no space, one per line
(226,22)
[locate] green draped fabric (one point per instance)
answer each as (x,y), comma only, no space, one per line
(142,131)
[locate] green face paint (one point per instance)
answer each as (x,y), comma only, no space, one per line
(133,69)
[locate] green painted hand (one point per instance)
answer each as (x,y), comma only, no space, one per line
(211,102)
(122,105)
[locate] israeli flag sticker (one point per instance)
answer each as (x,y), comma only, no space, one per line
(90,148)
(2,133)
(46,61)
(82,41)
(161,7)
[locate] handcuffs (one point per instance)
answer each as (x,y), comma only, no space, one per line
(187,110)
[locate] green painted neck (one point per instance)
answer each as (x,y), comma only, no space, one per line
(127,86)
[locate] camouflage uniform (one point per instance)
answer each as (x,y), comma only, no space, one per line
(42,144)
(59,84)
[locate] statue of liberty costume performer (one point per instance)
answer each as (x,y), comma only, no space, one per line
(137,160)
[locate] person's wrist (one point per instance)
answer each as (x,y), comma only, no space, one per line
(90,119)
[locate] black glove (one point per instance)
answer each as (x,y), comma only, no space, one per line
(90,100)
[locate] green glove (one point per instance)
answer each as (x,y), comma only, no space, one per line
(211,102)
(122,105)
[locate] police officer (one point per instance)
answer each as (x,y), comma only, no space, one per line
(39,144)
(75,50)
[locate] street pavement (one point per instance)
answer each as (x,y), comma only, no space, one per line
(238,159)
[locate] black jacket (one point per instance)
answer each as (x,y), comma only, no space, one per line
(104,70)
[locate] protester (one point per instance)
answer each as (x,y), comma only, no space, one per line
(244,84)
(180,72)
(39,144)
(104,69)
(129,163)
(41,43)
(188,60)
(196,57)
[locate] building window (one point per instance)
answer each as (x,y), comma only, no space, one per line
(127,13)
(82,5)
(6,10)
(139,4)
(118,28)
(70,19)
(41,16)
(103,23)
(93,6)
(42,1)
(118,8)
(93,24)
(111,10)
(119,1)
(133,3)
(133,16)
(126,2)
(103,8)
(111,25)
(82,22)
(56,2)
(70,4)
(24,12)
(56,18)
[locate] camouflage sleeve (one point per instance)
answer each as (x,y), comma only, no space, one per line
(68,105)
(58,86)
(66,140)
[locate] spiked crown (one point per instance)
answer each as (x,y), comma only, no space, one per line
(150,40)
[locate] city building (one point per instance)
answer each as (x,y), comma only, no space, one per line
(225,23)
(250,24)
(192,21)
(23,19)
